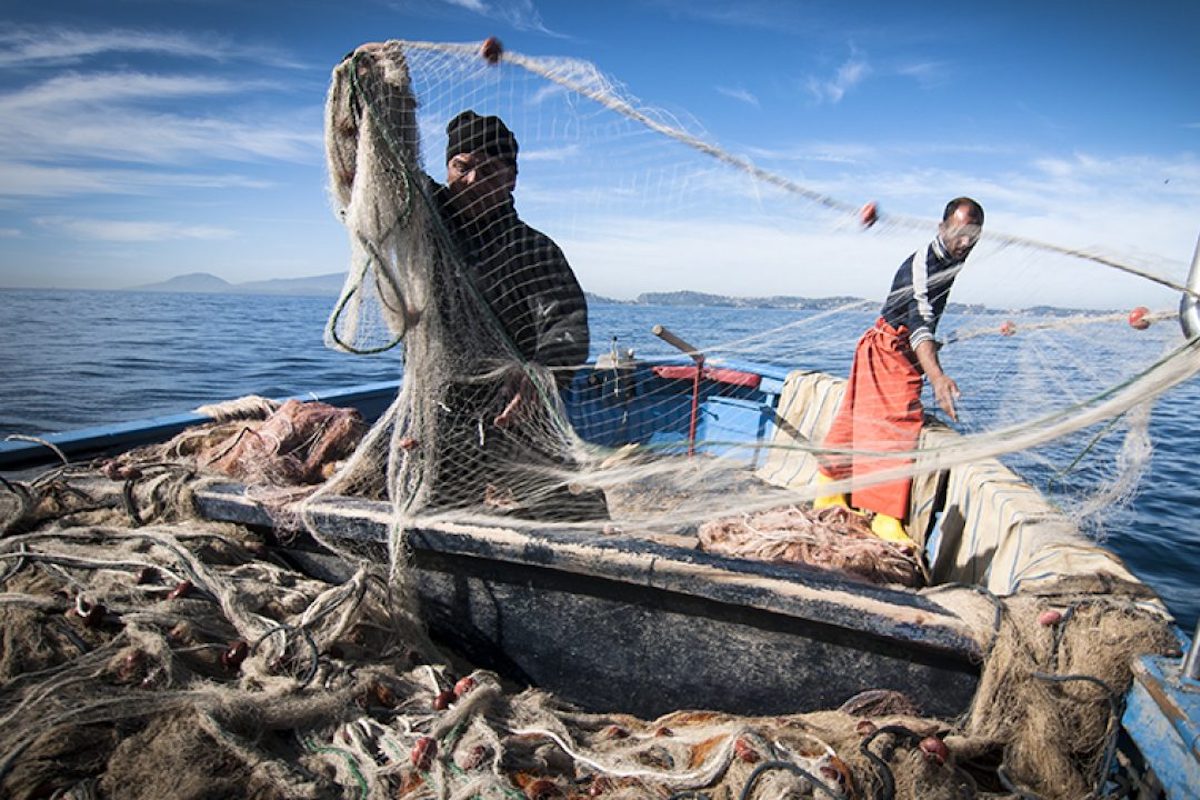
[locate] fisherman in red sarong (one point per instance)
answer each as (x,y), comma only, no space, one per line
(881,410)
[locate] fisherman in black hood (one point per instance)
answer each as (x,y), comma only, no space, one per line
(524,282)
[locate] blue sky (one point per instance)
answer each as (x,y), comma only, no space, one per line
(141,140)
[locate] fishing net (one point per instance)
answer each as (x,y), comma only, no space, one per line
(147,653)
(185,658)
(485,314)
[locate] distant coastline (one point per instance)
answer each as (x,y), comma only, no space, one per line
(206,283)
(329,285)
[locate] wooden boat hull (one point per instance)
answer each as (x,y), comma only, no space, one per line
(645,625)
(617,624)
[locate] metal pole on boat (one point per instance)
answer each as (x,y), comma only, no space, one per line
(1191,662)
(679,344)
(1189,318)
(1189,305)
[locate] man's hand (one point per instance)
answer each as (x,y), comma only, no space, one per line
(946,391)
(518,393)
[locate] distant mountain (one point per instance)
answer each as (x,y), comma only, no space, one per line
(599,299)
(203,282)
(330,285)
(694,299)
(192,282)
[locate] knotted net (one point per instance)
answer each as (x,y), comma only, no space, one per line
(148,654)
(484,311)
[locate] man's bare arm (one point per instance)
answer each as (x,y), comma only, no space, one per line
(944,388)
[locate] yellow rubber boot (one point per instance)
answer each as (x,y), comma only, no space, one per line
(828,500)
(890,529)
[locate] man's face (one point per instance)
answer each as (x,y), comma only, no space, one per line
(960,232)
(479,183)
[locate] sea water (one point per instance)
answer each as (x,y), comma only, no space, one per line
(71,359)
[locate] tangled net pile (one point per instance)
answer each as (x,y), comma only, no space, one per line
(184,659)
(149,654)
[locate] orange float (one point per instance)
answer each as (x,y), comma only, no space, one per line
(491,50)
(868,215)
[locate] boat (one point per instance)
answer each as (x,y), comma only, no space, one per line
(564,610)
(622,619)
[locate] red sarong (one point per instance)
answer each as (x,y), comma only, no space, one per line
(881,411)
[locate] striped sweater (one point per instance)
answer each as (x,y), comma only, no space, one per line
(920,290)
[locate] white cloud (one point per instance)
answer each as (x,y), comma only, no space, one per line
(829,152)
(130,230)
(717,231)
(561,154)
(520,14)
(69,129)
(41,180)
(105,116)
(42,46)
(93,90)
(10,233)
(471,5)
(926,73)
(848,75)
(738,94)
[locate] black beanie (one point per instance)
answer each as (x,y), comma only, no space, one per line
(469,132)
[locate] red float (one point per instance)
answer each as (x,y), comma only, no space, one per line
(423,753)
(491,50)
(1138,318)
(1049,617)
(935,750)
(463,686)
(868,215)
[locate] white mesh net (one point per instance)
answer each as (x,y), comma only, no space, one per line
(189,646)
(493,336)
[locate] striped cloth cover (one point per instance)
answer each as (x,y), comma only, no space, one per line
(994,530)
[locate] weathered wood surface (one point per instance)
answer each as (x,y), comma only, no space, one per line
(645,626)
(620,622)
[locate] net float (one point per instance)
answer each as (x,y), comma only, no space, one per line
(864,727)
(182,589)
(838,772)
(614,732)
(424,750)
(1139,318)
(463,686)
(868,215)
(491,50)
(1007,328)
(1049,617)
(745,751)
(472,757)
(443,700)
(935,750)
(234,655)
